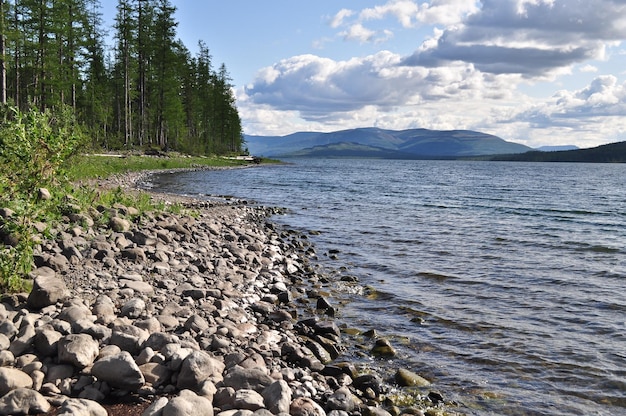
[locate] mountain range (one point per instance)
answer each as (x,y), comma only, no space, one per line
(385,144)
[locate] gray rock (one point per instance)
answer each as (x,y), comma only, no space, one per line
(248,400)
(247,378)
(47,290)
(44,194)
(12,378)
(59,372)
(23,401)
(304,406)
(187,403)
(137,254)
(119,225)
(158,340)
(24,339)
(5,342)
(80,350)
(133,308)
(277,397)
(81,407)
(156,374)
(139,287)
(341,399)
(129,338)
(57,262)
(156,408)
(104,309)
(119,371)
(47,341)
(198,367)
(408,378)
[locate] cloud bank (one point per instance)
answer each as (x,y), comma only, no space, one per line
(476,58)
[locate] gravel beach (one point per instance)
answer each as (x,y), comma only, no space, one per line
(213,310)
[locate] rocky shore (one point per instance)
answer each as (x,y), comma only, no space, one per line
(214,310)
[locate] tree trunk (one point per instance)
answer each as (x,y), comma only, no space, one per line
(3,66)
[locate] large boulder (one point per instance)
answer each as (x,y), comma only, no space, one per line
(188,403)
(12,378)
(80,350)
(119,371)
(47,290)
(198,367)
(23,401)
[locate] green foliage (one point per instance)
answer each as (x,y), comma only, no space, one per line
(33,146)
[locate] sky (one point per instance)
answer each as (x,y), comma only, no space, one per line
(536,72)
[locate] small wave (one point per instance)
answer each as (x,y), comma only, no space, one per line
(436,276)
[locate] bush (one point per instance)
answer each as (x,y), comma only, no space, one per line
(33,147)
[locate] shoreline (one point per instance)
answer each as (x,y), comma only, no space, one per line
(216,306)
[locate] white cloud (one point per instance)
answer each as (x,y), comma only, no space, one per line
(339,18)
(588,68)
(358,32)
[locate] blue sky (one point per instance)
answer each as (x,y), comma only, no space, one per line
(538,72)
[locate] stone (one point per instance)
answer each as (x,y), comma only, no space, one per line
(187,403)
(80,350)
(119,225)
(139,287)
(383,348)
(406,378)
(47,290)
(341,399)
(81,407)
(44,194)
(156,408)
(137,254)
(23,401)
(12,378)
(198,367)
(156,374)
(248,400)
(277,397)
(104,310)
(23,341)
(47,341)
(119,371)
(129,338)
(247,378)
(133,308)
(304,406)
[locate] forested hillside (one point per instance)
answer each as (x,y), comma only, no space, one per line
(145,90)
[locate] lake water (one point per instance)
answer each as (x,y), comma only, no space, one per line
(503,283)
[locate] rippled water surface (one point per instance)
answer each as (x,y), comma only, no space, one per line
(507,279)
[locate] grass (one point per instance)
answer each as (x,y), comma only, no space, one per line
(101,166)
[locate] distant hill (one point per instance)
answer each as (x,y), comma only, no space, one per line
(608,153)
(380,143)
(556,148)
